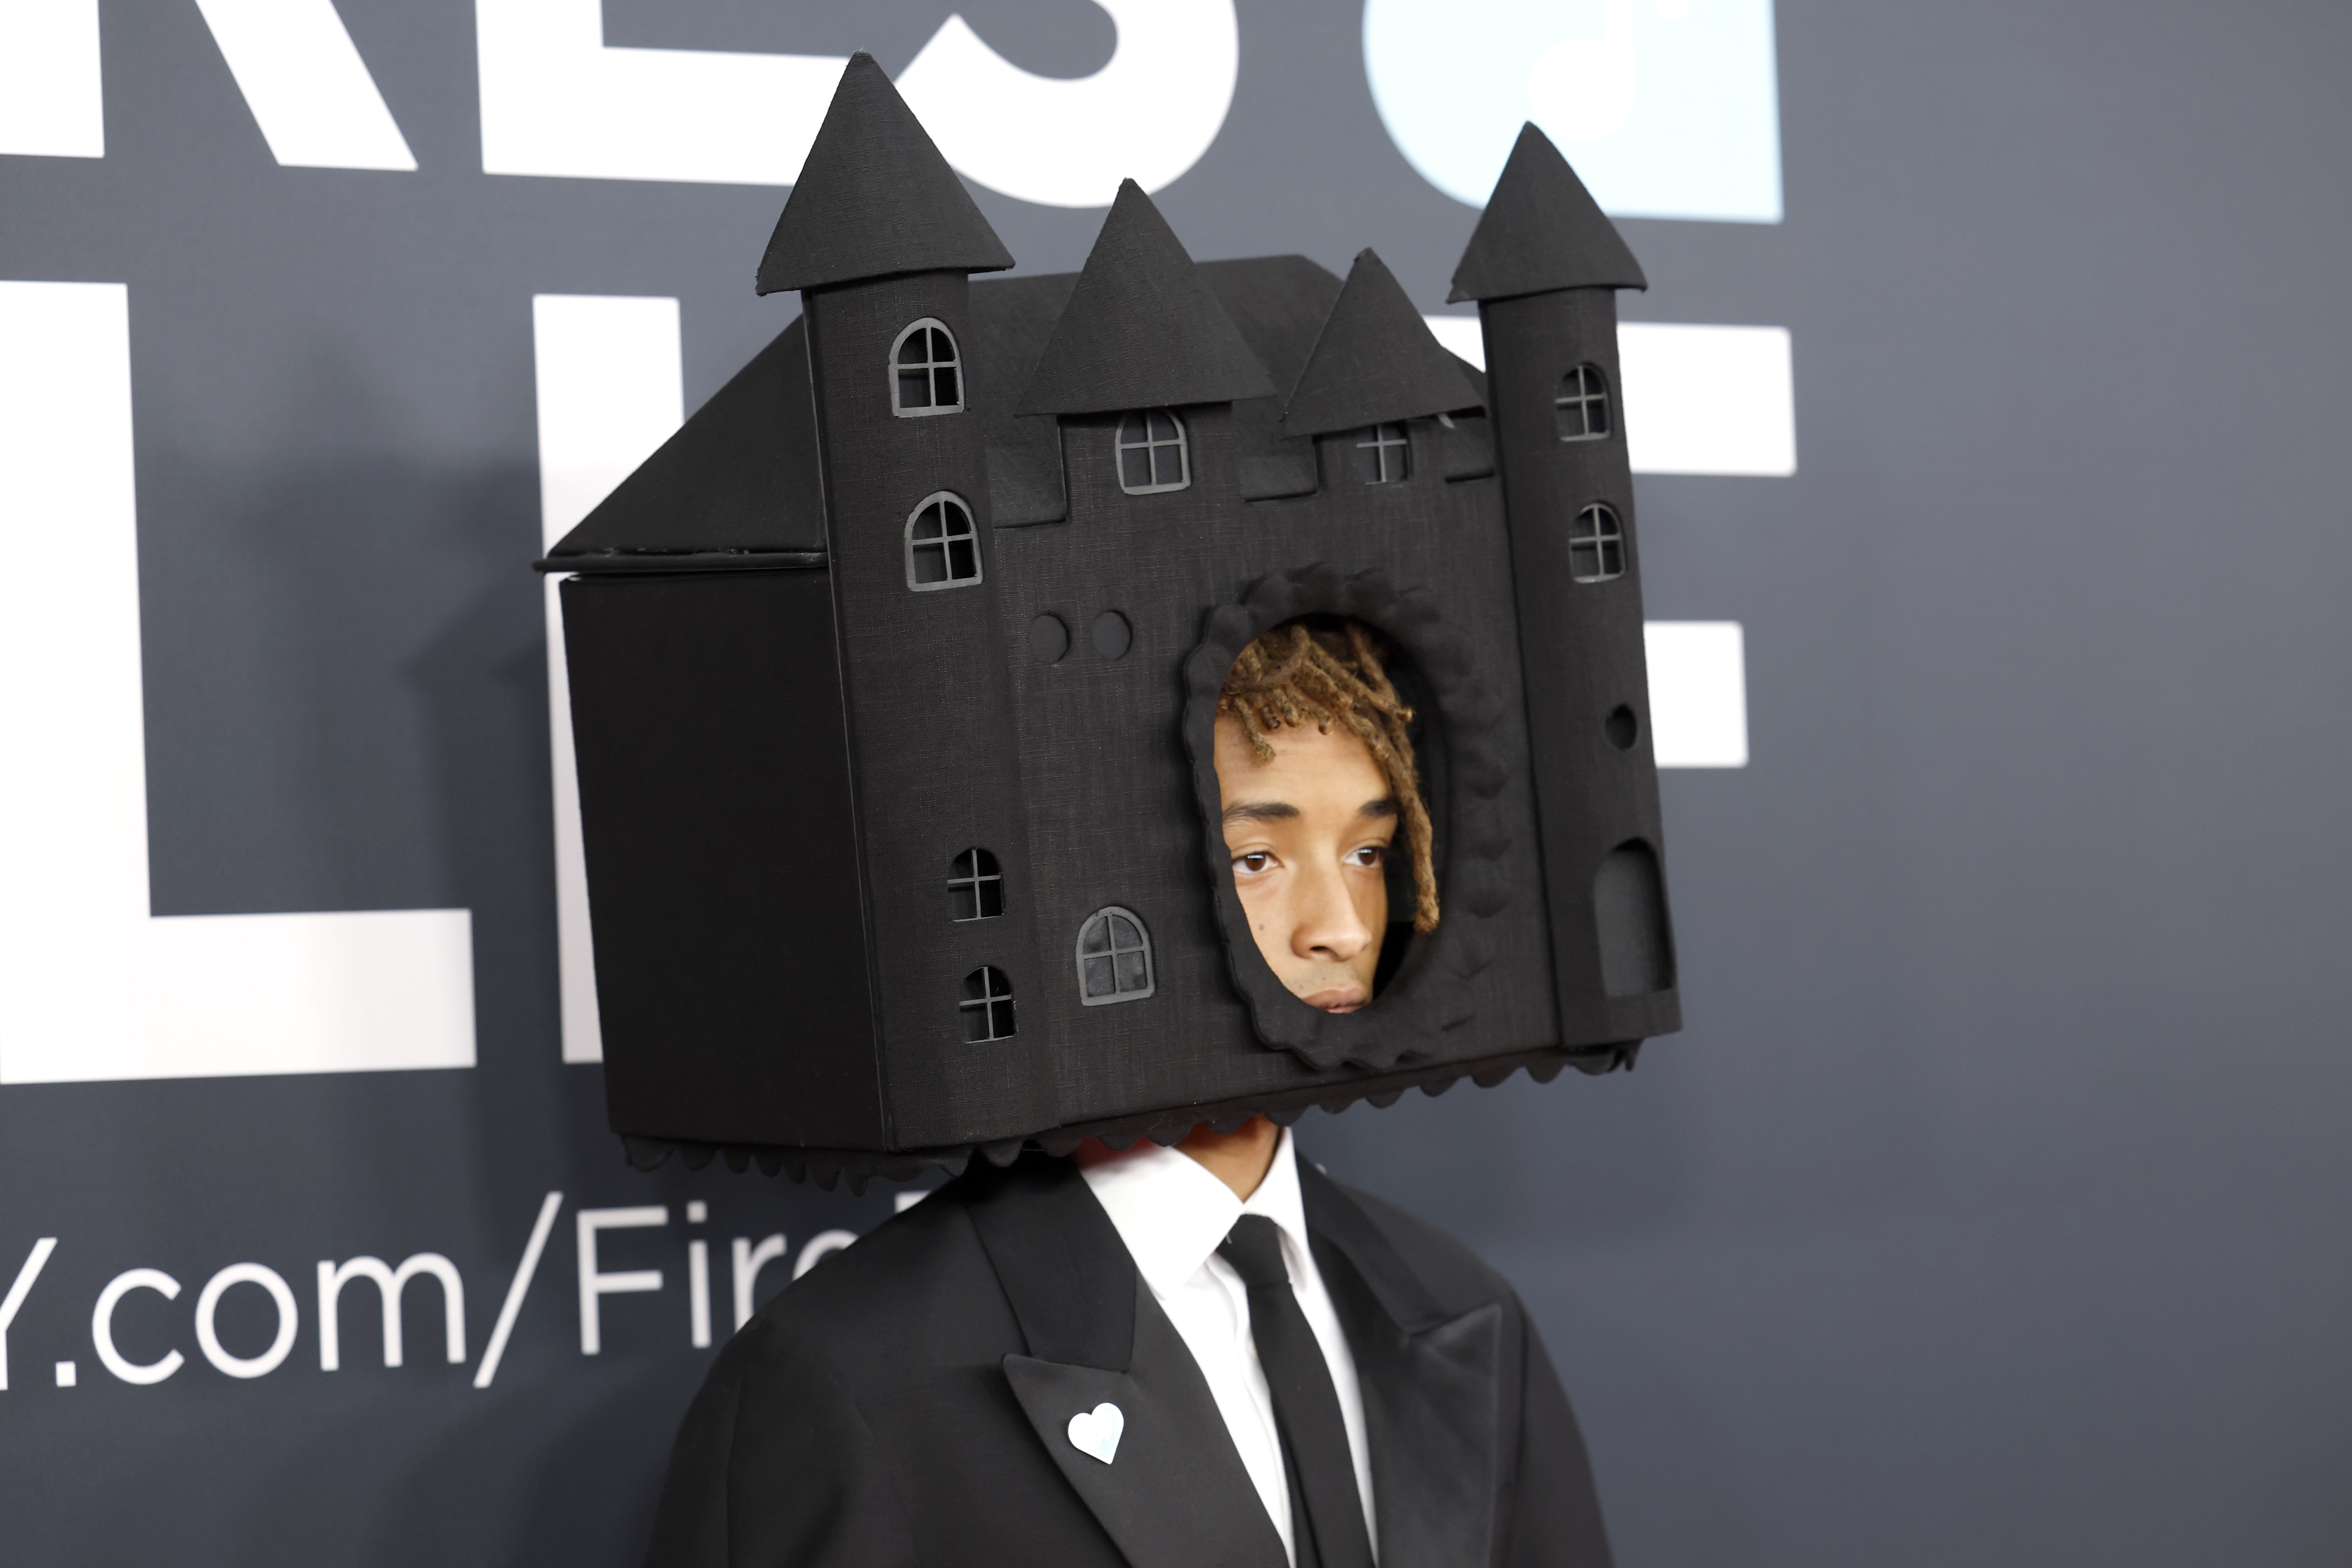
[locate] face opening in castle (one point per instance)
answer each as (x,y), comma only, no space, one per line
(1322,808)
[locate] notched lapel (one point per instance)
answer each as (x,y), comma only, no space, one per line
(1431,1413)
(1432,1384)
(1176,1495)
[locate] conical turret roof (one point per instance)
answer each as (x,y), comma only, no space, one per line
(1375,362)
(1142,329)
(1541,231)
(874,198)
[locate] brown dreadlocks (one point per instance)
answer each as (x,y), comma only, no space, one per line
(1333,674)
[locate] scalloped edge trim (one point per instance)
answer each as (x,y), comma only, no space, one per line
(828,1167)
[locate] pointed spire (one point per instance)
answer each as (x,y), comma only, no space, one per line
(1141,329)
(1541,231)
(1375,363)
(874,198)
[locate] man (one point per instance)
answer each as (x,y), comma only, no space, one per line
(1210,1356)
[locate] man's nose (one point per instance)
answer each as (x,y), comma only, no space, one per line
(1328,926)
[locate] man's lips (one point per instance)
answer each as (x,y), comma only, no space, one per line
(1336,998)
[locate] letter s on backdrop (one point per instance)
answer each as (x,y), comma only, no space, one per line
(1148,115)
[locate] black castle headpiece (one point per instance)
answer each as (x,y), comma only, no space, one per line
(893,674)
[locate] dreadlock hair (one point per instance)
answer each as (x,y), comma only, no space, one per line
(1330,673)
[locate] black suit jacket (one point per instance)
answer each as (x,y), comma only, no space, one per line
(907,1405)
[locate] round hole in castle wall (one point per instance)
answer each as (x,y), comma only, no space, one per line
(1621,727)
(1049,639)
(1112,635)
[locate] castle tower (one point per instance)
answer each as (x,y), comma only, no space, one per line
(879,238)
(1544,266)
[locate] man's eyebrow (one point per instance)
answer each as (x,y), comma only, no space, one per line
(1260,811)
(1384,807)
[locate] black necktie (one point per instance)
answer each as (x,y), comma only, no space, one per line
(1329,1531)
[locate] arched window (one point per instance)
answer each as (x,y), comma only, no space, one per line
(926,376)
(1152,453)
(1596,545)
(987,1006)
(1113,958)
(975,886)
(942,546)
(1382,455)
(1581,408)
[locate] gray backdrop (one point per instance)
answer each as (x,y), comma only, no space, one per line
(1989,1210)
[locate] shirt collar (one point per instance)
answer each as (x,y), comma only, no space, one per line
(1172,1214)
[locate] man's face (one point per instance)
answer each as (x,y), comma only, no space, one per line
(1308,832)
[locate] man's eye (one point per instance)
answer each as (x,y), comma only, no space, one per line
(1255,861)
(1370,855)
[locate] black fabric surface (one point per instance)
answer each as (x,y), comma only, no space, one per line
(907,1403)
(1465,444)
(1011,318)
(1024,473)
(1543,230)
(1375,362)
(716,811)
(874,198)
(1278,303)
(1142,329)
(1280,473)
(1330,1529)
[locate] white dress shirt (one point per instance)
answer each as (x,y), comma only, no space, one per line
(1171,1212)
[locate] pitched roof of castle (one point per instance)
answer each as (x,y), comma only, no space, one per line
(1375,362)
(1142,329)
(740,479)
(1542,231)
(874,198)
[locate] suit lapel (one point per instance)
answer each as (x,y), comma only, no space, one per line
(1431,1388)
(1174,1494)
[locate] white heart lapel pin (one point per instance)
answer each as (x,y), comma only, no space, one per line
(1095,1432)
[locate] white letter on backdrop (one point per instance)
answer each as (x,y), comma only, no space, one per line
(24,1287)
(516,1288)
(611,390)
(389,1283)
(1698,693)
(593,1284)
(308,88)
(91,986)
(209,1304)
(556,100)
(1148,115)
(748,1260)
(52,98)
(101,1325)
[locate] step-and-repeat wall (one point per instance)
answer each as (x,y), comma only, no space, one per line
(1988,1210)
